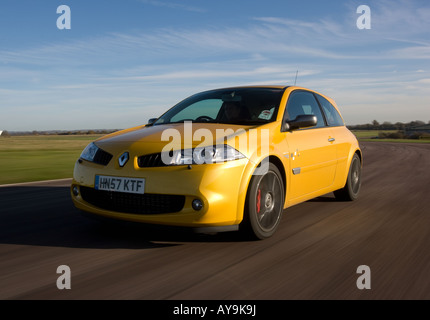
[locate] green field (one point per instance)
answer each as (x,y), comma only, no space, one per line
(35,158)
(369,135)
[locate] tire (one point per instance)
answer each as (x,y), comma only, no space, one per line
(353,183)
(264,204)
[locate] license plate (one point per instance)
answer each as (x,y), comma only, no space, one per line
(120,184)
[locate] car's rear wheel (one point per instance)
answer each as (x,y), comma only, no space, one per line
(353,183)
(264,203)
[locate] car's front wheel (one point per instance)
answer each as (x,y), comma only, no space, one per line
(264,203)
(353,183)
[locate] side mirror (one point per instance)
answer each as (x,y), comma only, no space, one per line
(152,120)
(301,121)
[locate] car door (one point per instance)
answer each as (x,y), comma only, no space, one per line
(339,131)
(312,152)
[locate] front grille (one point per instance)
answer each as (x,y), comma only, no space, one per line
(133,203)
(150,161)
(102,157)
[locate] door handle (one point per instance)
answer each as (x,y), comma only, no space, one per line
(331,140)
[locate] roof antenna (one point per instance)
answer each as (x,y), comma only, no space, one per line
(295,81)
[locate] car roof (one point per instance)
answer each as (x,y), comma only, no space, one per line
(254,86)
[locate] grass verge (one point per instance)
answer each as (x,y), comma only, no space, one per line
(373,136)
(35,158)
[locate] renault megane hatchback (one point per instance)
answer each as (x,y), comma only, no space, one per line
(222,160)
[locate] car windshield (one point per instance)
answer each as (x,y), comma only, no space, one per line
(246,106)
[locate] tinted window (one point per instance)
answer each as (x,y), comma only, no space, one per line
(302,102)
(209,107)
(248,106)
(332,116)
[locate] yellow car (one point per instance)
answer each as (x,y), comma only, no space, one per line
(222,160)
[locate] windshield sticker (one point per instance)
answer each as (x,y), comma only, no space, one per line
(266,114)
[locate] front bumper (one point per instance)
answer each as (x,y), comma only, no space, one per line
(169,193)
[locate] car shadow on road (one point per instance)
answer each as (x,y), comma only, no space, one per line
(325,198)
(46,216)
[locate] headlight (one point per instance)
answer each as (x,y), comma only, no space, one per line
(89,152)
(211,154)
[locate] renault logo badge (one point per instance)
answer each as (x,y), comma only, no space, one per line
(122,160)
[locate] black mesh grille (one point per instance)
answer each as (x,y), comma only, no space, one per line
(102,157)
(150,160)
(133,203)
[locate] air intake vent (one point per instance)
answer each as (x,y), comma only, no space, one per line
(150,161)
(102,157)
(133,203)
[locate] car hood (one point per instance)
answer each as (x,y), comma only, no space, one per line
(152,139)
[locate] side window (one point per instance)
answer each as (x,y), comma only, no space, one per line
(302,102)
(333,117)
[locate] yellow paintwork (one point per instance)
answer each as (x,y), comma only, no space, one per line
(223,186)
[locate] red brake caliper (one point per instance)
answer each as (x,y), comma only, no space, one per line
(258,200)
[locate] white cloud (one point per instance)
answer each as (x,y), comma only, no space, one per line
(416,52)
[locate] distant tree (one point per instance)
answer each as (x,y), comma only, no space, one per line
(386,125)
(416,123)
(399,126)
(375,123)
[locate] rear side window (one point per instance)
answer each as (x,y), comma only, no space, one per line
(333,117)
(303,102)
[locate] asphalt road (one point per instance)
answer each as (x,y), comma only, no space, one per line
(314,255)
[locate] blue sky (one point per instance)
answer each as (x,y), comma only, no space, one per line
(123,62)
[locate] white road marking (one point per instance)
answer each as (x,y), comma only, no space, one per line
(42,182)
